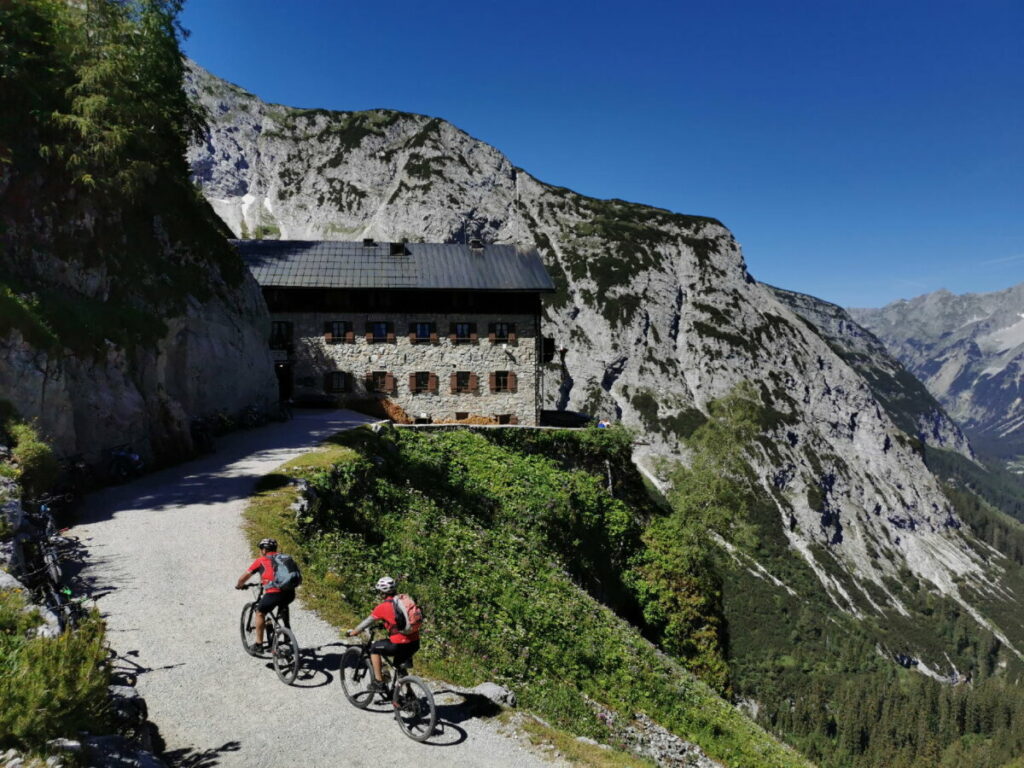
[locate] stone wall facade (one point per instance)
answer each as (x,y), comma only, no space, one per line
(314,354)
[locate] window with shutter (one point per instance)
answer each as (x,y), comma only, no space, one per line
(474,382)
(432,383)
(512,381)
(378,331)
(502,381)
(420,382)
(503,332)
(463,333)
(335,331)
(380,381)
(492,381)
(336,381)
(463,381)
(422,333)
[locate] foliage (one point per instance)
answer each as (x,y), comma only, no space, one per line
(92,144)
(830,683)
(495,534)
(992,482)
(50,687)
(36,462)
(676,574)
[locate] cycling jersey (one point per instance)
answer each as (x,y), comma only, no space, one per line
(265,566)
(386,613)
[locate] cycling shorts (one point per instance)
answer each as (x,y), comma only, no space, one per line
(399,652)
(272,600)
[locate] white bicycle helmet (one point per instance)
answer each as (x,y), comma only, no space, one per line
(386,585)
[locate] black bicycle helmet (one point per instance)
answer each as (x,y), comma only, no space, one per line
(268,544)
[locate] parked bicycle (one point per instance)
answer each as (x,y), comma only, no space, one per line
(410,697)
(284,648)
(202,435)
(123,463)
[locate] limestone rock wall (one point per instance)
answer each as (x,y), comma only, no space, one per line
(213,357)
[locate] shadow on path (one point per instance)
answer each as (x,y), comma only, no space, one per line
(226,475)
(204,758)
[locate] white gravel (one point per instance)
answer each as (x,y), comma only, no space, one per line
(163,555)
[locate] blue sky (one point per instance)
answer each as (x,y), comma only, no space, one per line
(860,151)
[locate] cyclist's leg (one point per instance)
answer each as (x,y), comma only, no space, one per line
(378,649)
(267,603)
(287,597)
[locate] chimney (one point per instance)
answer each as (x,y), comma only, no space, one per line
(476,244)
(398,249)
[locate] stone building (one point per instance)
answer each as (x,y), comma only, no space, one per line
(444,332)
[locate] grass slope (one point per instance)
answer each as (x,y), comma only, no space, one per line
(491,539)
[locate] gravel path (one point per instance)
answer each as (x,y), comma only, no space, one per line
(163,555)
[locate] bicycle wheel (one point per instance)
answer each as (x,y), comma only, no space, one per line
(414,708)
(355,676)
(285,653)
(248,628)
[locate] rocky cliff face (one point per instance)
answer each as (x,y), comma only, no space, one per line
(655,316)
(213,357)
(906,400)
(969,352)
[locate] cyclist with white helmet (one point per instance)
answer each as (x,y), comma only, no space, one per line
(400,645)
(272,596)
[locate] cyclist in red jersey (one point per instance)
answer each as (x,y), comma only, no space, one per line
(272,596)
(399,645)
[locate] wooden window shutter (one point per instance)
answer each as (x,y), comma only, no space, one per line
(511,337)
(432,383)
(369,335)
(511,381)
(391,334)
(328,336)
(474,382)
(473,337)
(350,337)
(412,382)
(452,337)
(389,382)
(513,419)
(492,336)
(412,337)
(492,381)
(433,337)
(453,380)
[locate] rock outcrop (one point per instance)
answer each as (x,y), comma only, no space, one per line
(654,317)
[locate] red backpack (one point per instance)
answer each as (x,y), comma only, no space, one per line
(408,615)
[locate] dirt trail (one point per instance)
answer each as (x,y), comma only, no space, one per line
(163,555)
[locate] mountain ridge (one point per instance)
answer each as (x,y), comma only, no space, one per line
(968,349)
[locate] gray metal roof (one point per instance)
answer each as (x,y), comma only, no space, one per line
(333,264)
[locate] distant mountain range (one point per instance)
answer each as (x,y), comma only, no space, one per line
(969,351)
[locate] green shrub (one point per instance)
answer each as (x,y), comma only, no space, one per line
(36,463)
(50,687)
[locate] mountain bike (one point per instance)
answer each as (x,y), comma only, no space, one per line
(123,463)
(284,648)
(410,697)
